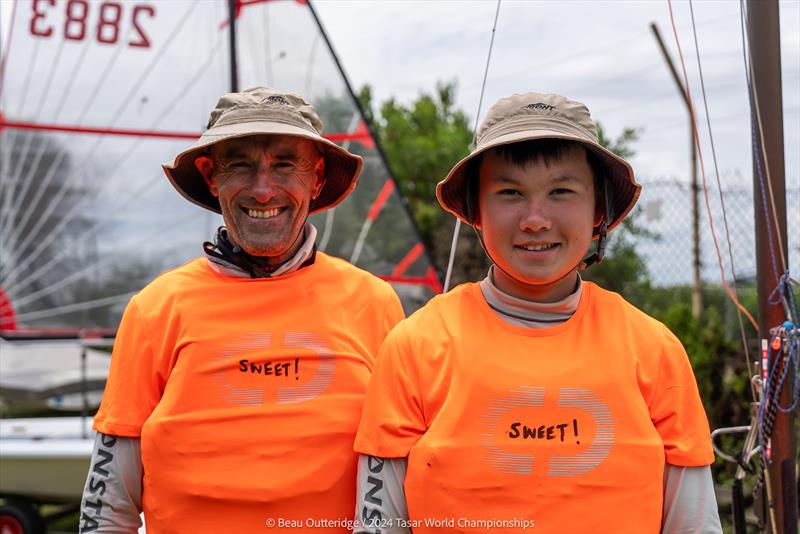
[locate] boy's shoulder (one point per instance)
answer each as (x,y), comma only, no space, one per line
(447,305)
(439,312)
(613,308)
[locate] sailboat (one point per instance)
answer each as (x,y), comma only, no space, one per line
(93,98)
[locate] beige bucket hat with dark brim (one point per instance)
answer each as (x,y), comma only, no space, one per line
(264,111)
(532,116)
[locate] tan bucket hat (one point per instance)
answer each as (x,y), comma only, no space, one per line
(258,111)
(541,116)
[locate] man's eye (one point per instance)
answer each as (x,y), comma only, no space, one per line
(239,164)
(284,165)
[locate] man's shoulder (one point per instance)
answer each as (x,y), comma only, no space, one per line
(176,280)
(347,274)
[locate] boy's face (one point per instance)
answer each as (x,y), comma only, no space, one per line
(537,222)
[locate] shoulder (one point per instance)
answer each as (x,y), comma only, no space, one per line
(441,317)
(609,306)
(170,284)
(351,278)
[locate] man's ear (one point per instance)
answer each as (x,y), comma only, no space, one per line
(319,177)
(205,166)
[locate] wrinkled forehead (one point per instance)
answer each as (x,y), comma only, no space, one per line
(258,144)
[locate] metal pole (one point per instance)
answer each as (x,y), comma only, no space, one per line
(232,12)
(763,31)
(697,282)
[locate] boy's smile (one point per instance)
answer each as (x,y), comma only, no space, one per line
(537,221)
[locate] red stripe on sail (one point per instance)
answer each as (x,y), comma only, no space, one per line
(380,201)
(409,259)
(363,138)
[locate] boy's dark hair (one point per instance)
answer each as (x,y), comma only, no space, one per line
(524,153)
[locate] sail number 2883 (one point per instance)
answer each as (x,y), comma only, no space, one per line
(108,15)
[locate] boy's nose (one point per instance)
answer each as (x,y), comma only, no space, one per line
(534,218)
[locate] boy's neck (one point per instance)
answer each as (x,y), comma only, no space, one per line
(553,292)
(528,313)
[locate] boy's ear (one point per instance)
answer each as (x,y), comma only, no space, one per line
(598,217)
(205,166)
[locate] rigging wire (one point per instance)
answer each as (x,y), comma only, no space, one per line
(330,214)
(20,196)
(454,243)
(4,51)
(54,233)
(90,101)
(11,183)
(44,146)
(760,157)
(139,244)
(56,199)
(695,132)
(79,306)
(721,196)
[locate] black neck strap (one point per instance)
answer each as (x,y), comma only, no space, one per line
(257,267)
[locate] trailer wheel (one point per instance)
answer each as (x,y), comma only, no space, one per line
(20,517)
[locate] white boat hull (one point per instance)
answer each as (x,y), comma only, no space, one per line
(45,459)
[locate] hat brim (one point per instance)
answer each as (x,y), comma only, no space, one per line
(451,192)
(341,167)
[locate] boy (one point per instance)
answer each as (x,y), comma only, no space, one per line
(534,400)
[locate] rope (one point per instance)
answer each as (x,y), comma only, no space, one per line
(454,243)
(696,134)
(719,187)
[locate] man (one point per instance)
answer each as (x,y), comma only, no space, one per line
(237,379)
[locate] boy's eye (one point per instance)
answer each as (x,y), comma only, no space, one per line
(509,192)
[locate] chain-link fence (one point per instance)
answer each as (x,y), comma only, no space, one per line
(665,209)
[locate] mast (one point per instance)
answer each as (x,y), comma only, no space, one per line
(763,29)
(697,288)
(232,13)
(373,134)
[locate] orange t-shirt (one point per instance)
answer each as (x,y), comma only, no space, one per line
(561,429)
(247,393)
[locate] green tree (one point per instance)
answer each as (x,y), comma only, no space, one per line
(421,140)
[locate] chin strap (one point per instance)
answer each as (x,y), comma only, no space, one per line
(602,230)
(602,241)
(225,250)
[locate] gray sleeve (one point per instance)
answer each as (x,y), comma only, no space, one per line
(380,498)
(690,506)
(112,497)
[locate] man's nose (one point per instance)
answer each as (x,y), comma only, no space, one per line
(535,216)
(263,189)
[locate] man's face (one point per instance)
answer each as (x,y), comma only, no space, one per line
(265,185)
(537,222)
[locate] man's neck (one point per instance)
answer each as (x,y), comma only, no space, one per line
(225,256)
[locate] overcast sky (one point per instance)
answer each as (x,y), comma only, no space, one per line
(599,52)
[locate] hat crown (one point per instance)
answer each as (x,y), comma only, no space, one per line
(265,104)
(520,112)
